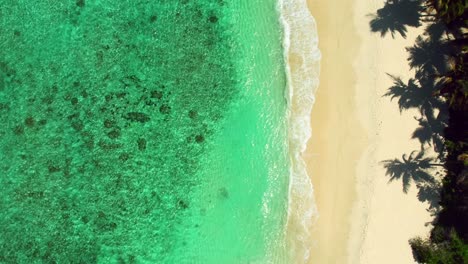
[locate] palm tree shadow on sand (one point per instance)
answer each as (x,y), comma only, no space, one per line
(437,88)
(419,94)
(396,16)
(430,57)
(416,168)
(410,168)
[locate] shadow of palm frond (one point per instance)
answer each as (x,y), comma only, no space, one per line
(413,94)
(419,94)
(436,31)
(430,131)
(396,16)
(430,57)
(430,192)
(411,168)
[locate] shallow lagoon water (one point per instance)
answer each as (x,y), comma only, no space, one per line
(142,132)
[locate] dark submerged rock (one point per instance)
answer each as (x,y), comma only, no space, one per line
(109,123)
(4,107)
(77,125)
(193,114)
(29,121)
(165,109)
(74,101)
(141,144)
(213,19)
(42,122)
(108,97)
(121,95)
(137,117)
(80,3)
(85,219)
(124,156)
(199,138)
(182,204)
(156,94)
(18,130)
(53,168)
(113,134)
(88,139)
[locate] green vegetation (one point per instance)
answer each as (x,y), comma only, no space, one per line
(453,250)
(439,90)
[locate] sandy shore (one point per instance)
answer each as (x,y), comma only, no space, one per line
(363,218)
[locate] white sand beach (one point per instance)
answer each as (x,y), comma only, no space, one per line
(363,218)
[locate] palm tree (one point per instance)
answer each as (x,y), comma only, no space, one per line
(454,83)
(449,11)
(411,168)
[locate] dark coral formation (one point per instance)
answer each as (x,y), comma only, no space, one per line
(96,122)
(137,117)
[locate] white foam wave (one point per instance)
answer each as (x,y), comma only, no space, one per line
(302,58)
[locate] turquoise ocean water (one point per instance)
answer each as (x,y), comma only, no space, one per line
(142,132)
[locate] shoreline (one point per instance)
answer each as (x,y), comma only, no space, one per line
(302,66)
(362,218)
